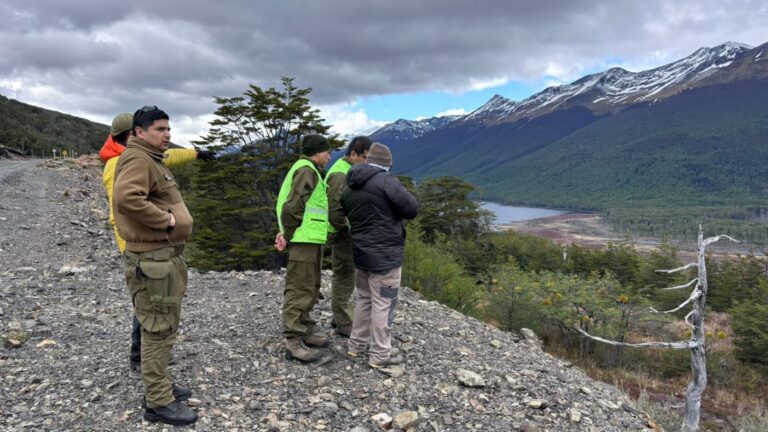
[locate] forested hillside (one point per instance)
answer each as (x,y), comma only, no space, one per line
(36,131)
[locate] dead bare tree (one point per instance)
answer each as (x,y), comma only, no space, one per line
(695,319)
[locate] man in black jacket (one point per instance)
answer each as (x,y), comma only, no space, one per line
(376,204)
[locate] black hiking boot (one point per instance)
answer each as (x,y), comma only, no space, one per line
(181,394)
(175,413)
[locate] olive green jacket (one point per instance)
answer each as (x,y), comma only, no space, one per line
(304,182)
(336,216)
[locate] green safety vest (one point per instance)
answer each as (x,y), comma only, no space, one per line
(314,222)
(340,166)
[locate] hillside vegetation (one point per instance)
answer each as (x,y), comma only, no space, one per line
(36,131)
(514,280)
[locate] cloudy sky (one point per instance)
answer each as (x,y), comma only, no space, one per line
(368,62)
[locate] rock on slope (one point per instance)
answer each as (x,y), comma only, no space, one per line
(65,321)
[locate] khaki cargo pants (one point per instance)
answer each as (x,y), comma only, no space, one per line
(375,313)
(157,281)
(343,281)
(302,288)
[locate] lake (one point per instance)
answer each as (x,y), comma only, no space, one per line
(507,214)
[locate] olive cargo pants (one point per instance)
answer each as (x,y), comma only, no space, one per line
(302,288)
(157,281)
(375,313)
(343,281)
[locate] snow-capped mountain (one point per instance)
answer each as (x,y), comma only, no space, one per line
(347,137)
(406,130)
(616,88)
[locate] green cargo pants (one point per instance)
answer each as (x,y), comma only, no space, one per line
(343,281)
(157,281)
(302,288)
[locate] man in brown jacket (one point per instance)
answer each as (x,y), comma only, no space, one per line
(151,216)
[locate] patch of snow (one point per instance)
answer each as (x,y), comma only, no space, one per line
(403,129)
(617,85)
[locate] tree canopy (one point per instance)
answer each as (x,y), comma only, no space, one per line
(258,136)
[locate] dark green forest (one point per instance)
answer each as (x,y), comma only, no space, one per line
(36,131)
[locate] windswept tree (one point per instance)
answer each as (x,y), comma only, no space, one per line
(258,136)
(697,343)
(445,207)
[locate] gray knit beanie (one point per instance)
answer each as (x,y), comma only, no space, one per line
(379,154)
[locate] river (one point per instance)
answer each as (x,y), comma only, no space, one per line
(507,214)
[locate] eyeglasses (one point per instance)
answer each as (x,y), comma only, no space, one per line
(145,109)
(147,113)
(142,111)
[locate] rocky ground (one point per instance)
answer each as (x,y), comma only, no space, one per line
(65,324)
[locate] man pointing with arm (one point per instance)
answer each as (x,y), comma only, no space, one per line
(151,216)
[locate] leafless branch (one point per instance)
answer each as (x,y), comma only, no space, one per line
(718,238)
(672,345)
(679,269)
(682,286)
(694,295)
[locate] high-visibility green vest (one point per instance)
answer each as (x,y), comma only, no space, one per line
(314,222)
(340,166)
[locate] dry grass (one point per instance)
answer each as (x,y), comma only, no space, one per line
(723,409)
(717,325)
(735,396)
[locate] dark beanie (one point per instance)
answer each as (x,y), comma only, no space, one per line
(313,144)
(379,154)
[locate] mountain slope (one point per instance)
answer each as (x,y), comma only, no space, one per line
(706,146)
(691,133)
(35,130)
(464,149)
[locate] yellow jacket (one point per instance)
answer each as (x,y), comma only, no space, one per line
(173,157)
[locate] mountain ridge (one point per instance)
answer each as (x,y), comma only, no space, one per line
(686,133)
(619,89)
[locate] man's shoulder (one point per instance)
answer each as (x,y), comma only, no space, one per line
(305,170)
(133,153)
(136,160)
(305,174)
(337,176)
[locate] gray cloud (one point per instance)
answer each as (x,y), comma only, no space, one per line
(91,57)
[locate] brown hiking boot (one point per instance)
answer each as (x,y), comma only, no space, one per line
(391,361)
(316,341)
(296,349)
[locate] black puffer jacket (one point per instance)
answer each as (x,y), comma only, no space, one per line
(376,204)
